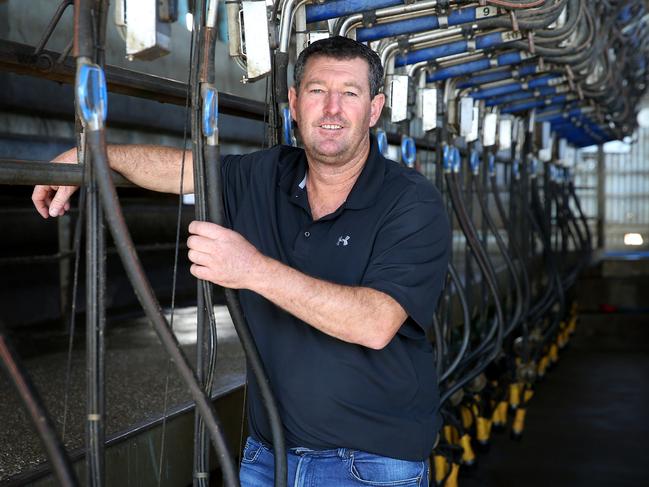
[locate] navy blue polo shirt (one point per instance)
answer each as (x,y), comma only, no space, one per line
(392,235)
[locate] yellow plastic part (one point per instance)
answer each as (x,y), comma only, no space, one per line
(499,417)
(441,468)
(451,435)
(468,456)
(514,394)
(529,394)
(476,411)
(554,353)
(451,481)
(467,417)
(483,429)
(543,366)
(519,421)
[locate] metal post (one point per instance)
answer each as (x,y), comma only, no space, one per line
(601,198)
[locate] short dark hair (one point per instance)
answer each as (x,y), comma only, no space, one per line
(340,47)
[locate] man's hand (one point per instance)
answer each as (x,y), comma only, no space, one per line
(222,256)
(55,200)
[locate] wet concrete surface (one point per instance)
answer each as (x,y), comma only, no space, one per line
(137,370)
(588,423)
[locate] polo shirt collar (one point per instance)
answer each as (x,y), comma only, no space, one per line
(365,189)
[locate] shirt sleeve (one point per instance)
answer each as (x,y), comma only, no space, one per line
(410,257)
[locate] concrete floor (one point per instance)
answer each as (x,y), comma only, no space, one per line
(586,426)
(588,423)
(132,399)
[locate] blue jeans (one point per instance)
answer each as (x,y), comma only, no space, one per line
(340,467)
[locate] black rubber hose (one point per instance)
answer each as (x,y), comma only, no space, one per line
(482,201)
(145,295)
(513,245)
(466,329)
(17,374)
(84,40)
(474,243)
(215,206)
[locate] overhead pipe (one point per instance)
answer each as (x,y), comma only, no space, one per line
(421,24)
(483,41)
(353,21)
(333,9)
(471,67)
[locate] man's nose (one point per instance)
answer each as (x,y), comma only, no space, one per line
(332,103)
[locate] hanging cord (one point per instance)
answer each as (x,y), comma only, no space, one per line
(482,201)
(37,412)
(73,307)
(175,268)
(482,260)
(91,93)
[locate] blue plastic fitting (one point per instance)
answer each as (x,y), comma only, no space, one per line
(210,112)
(408,151)
(492,164)
(447,158)
(456,160)
(287,128)
(91,95)
(474,162)
(410,26)
(341,8)
(382,141)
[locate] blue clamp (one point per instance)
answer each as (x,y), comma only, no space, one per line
(210,112)
(534,166)
(492,164)
(288,128)
(474,162)
(408,151)
(447,158)
(516,169)
(92,98)
(382,141)
(456,160)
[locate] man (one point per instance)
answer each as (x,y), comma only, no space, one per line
(340,255)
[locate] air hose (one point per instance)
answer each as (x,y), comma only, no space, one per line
(17,374)
(474,243)
(208,177)
(91,102)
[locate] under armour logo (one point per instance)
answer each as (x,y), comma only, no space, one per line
(344,241)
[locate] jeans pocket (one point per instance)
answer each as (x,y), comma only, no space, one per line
(251,450)
(378,471)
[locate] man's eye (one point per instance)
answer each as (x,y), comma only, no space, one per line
(316,90)
(350,93)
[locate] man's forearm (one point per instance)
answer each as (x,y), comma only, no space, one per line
(358,315)
(153,167)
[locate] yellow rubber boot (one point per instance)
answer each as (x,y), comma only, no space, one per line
(468,455)
(514,395)
(467,417)
(441,468)
(499,418)
(483,431)
(451,435)
(451,481)
(519,424)
(554,353)
(542,367)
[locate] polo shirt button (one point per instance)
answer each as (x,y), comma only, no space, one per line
(307,234)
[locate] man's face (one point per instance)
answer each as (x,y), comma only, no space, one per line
(333,108)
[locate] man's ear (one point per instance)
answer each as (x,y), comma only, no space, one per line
(376,106)
(292,102)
